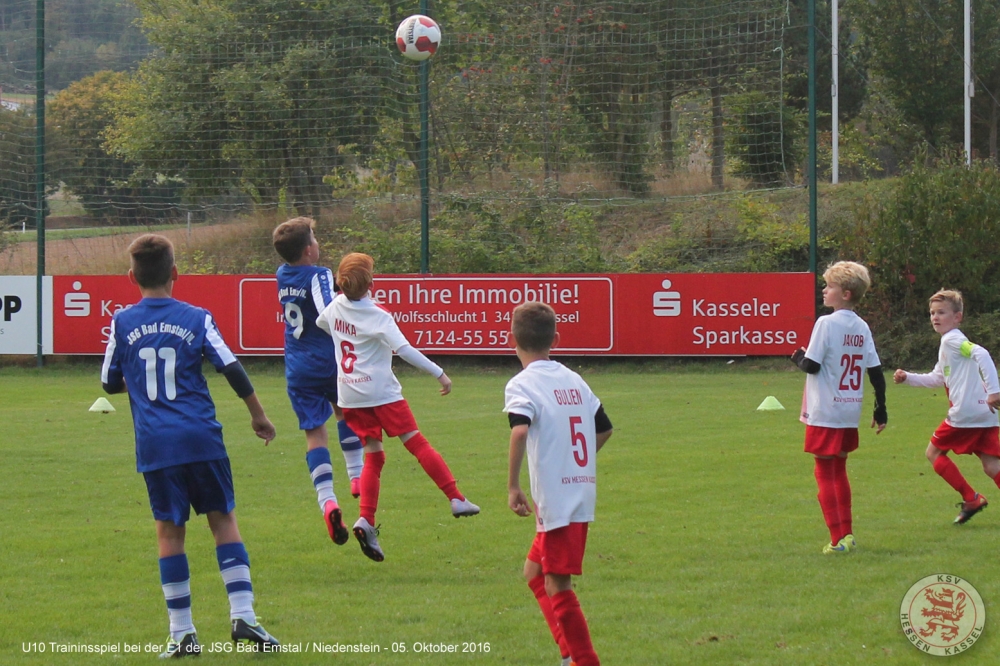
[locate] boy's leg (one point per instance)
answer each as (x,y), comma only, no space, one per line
(371,481)
(432,462)
(562,552)
(842,489)
(825,472)
(991,465)
(234,565)
(175,578)
(353,450)
(566,608)
(536,582)
(949,471)
(321,471)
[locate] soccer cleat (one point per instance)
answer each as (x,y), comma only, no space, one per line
(335,523)
(842,547)
(367,536)
(253,633)
(463,507)
(356,488)
(969,509)
(187,646)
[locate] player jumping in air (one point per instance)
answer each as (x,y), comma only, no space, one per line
(304,290)
(365,336)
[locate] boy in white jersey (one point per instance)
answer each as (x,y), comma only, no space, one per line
(840,350)
(970,379)
(365,336)
(560,423)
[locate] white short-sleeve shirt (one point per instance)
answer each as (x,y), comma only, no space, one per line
(365,336)
(842,344)
(562,441)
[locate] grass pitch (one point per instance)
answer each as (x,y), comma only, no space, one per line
(706,548)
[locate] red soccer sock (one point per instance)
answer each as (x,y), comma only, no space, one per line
(371,481)
(825,472)
(842,488)
(949,471)
(434,465)
(537,585)
(574,627)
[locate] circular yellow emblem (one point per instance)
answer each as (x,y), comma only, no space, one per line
(942,615)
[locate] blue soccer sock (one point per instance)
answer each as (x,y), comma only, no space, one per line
(175,577)
(321,472)
(353,448)
(234,564)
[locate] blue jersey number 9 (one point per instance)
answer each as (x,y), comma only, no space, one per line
(293,315)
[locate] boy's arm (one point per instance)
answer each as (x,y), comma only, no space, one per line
(238,379)
(603,426)
(516,499)
(933,379)
(880,417)
(415,358)
(112,379)
(989,372)
(805,364)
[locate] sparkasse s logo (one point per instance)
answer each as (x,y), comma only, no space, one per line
(942,615)
(76,304)
(666,303)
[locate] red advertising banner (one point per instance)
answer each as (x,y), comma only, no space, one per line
(623,314)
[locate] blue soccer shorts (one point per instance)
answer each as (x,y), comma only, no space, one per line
(313,404)
(206,486)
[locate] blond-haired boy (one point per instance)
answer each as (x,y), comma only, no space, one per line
(840,350)
(970,377)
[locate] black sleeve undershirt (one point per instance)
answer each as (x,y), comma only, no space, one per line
(877,379)
(238,379)
(805,364)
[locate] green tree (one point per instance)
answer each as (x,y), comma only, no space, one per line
(916,50)
(107,185)
(253,96)
(17,168)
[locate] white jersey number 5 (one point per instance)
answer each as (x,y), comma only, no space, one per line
(579,441)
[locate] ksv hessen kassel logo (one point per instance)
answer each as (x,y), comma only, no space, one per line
(942,615)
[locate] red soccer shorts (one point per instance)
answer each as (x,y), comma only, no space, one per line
(822,441)
(560,551)
(369,422)
(967,440)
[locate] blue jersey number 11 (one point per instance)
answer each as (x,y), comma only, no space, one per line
(169,356)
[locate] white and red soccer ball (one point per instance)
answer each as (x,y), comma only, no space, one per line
(418,37)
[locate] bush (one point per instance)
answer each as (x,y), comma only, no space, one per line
(532,231)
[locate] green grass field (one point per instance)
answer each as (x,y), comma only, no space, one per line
(706,548)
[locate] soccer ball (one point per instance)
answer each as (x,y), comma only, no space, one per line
(418,37)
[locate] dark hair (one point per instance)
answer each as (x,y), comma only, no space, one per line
(291,238)
(534,326)
(354,275)
(152,260)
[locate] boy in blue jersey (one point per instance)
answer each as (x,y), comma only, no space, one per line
(155,351)
(304,290)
